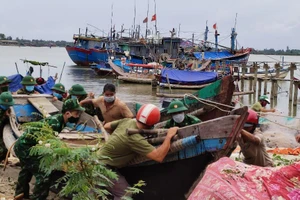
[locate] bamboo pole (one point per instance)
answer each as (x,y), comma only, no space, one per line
(255,67)
(266,67)
(101,127)
(292,69)
(296,83)
(243,77)
(259,87)
(169,83)
(277,67)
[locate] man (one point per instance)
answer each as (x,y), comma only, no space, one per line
(261,104)
(111,107)
(121,148)
(298,138)
(4,82)
(78,92)
(179,118)
(58,92)
(28,83)
(6,100)
(252,143)
(71,111)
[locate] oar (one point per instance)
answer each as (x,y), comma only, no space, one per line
(17,68)
(101,127)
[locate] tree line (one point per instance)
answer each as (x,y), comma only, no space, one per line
(272,51)
(37,43)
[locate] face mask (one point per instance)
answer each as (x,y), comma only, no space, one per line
(29,88)
(59,96)
(109,99)
(4,107)
(73,119)
(73,97)
(4,89)
(178,118)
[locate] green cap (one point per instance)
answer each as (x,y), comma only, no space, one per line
(4,79)
(59,87)
(77,89)
(6,99)
(176,106)
(264,98)
(71,104)
(28,80)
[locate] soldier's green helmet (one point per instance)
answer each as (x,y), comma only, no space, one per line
(6,99)
(4,79)
(77,89)
(175,107)
(28,80)
(59,87)
(71,104)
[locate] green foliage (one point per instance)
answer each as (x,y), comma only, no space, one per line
(280,161)
(133,190)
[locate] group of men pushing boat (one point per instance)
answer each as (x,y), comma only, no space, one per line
(121,148)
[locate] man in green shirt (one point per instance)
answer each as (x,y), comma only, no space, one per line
(71,111)
(4,83)
(261,104)
(179,118)
(121,148)
(6,100)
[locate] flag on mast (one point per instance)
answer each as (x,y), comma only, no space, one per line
(215,26)
(153,18)
(145,20)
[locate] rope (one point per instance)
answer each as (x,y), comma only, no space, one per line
(282,125)
(211,103)
(7,154)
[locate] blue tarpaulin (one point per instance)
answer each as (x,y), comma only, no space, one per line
(15,83)
(46,87)
(187,77)
(211,55)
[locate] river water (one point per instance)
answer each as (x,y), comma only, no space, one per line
(92,83)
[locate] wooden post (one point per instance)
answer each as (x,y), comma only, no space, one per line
(154,83)
(296,83)
(250,83)
(273,83)
(259,87)
(266,67)
(243,76)
(277,67)
(292,69)
(217,66)
(255,68)
(223,66)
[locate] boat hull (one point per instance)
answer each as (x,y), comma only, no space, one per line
(84,57)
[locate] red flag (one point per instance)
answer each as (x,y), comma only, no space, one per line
(145,20)
(153,18)
(215,26)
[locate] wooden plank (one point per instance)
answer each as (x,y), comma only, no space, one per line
(43,105)
(77,136)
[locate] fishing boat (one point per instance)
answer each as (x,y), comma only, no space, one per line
(209,51)
(192,149)
(139,73)
(184,79)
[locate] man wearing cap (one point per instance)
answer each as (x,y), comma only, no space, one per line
(71,111)
(58,92)
(252,143)
(261,104)
(4,82)
(121,148)
(78,92)
(179,118)
(6,100)
(28,83)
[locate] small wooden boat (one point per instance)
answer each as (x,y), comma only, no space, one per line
(193,148)
(102,69)
(139,73)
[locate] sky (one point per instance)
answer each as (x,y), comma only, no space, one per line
(260,23)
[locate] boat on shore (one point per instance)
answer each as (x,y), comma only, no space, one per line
(194,147)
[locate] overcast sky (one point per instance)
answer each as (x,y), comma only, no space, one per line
(260,23)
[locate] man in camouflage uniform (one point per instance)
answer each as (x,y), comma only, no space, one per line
(4,82)
(28,83)
(78,92)
(6,100)
(179,119)
(58,92)
(71,111)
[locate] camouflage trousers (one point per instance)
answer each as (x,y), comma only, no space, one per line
(3,149)
(29,168)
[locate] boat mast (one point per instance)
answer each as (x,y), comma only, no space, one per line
(111,20)
(155,17)
(233,36)
(205,34)
(134,32)
(147,21)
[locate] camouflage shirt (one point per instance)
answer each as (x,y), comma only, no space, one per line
(23,91)
(188,120)
(3,116)
(89,108)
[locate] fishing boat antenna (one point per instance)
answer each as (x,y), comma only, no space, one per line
(155,18)
(111,20)
(206,34)
(179,30)
(134,17)
(147,21)
(233,36)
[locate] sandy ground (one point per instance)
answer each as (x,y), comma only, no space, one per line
(275,137)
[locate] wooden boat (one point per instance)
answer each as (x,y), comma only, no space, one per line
(102,69)
(261,74)
(193,148)
(140,73)
(220,92)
